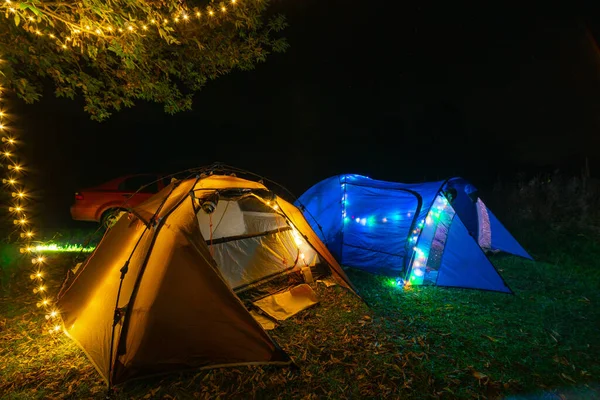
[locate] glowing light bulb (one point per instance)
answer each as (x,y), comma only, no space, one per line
(44,303)
(130,28)
(185,16)
(211,13)
(198,14)
(223,9)
(384,219)
(7,154)
(56,328)
(40,288)
(37,275)
(302,256)
(144,27)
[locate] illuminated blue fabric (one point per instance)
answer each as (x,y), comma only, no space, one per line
(367,224)
(463,205)
(465,265)
(379,217)
(323,211)
(466,210)
(503,240)
(373,216)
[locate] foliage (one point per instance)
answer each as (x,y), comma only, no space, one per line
(116,52)
(566,203)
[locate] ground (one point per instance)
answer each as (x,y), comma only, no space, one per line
(418,343)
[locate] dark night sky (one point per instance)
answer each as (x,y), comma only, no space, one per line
(408,93)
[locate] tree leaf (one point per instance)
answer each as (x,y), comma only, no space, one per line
(479,375)
(138,65)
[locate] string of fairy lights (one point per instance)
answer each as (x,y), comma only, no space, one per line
(114,26)
(21,203)
(70,33)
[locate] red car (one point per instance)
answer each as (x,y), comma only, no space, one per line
(105,202)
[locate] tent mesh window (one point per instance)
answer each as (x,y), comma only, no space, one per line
(437,246)
(427,257)
(257,251)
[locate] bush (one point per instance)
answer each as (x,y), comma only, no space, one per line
(560,202)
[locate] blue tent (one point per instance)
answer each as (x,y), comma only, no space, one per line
(434,233)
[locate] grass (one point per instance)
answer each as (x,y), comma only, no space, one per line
(416,344)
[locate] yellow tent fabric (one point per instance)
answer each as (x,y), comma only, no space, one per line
(172,309)
(300,222)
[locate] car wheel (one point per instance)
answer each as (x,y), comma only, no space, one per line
(110,217)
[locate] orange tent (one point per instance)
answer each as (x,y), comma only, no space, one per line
(171,284)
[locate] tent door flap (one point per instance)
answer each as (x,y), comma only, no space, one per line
(281,306)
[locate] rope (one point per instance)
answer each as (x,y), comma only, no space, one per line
(212,251)
(223,215)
